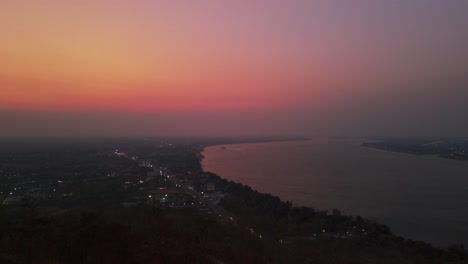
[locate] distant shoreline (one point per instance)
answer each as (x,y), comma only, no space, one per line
(305,206)
(419,150)
(255,141)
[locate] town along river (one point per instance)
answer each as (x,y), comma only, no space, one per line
(418,197)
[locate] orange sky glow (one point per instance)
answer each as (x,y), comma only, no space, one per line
(113,56)
(145,56)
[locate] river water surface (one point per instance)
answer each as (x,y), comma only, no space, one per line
(418,197)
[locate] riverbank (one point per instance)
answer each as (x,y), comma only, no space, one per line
(328,174)
(301,228)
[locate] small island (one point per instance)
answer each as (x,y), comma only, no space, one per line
(449,149)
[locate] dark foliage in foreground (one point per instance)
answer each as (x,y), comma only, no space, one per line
(149,235)
(132,235)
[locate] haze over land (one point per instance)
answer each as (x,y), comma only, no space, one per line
(109,110)
(95,68)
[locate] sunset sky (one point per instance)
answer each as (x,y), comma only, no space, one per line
(303,67)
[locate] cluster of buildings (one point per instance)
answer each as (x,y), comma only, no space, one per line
(37,191)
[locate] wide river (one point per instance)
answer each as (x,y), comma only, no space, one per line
(418,197)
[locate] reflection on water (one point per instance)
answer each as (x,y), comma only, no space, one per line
(419,197)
